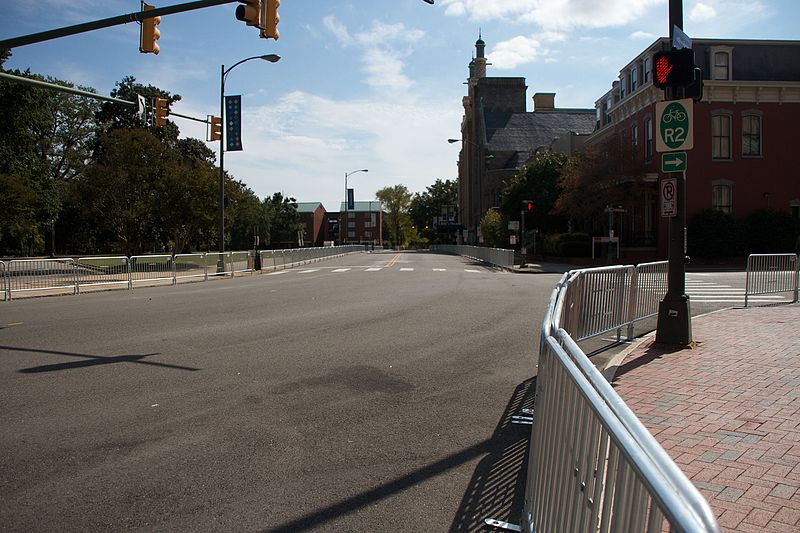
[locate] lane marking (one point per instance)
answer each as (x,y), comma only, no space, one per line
(406,269)
(394,260)
(340,270)
(440,270)
(473,271)
(276,273)
(308,271)
(374,269)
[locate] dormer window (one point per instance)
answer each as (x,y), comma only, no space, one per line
(721,62)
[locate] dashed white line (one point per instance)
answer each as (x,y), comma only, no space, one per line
(473,271)
(308,271)
(373,269)
(440,270)
(340,270)
(406,270)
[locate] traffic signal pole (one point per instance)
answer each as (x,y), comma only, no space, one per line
(674,311)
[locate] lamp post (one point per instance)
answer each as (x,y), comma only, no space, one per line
(272,58)
(346,220)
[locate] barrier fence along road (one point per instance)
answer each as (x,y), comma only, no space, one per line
(494,256)
(593,466)
(39,276)
(770,274)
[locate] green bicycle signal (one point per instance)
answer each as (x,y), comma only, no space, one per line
(674,125)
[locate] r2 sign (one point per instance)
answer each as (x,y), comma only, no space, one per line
(674,131)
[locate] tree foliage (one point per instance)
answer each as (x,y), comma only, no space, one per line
(396,201)
(493,229)
(538,181)
(425,207)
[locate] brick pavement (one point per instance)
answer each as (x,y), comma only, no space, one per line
(728,412)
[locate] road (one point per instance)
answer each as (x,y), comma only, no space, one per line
(369,392)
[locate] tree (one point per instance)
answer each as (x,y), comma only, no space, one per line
(113,115)
(396,200)
(493,229)
(282,219)
(427,206)
(537,181)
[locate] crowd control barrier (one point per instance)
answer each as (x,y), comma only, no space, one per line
(494,256)
(771,274)
(593,466)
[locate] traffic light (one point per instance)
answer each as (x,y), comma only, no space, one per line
(527,206)
(216,128)
(270,19)
(673,68)
(148,33)
(250,12)
(161,112)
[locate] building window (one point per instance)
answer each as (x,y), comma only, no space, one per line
(722,66)
(622,82)
(721,136)
(351,234)
(751,134)
(721,196)
(351,224)
(634,77)
(634,135)
(646,64)
(648,139)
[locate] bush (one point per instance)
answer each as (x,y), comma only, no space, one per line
(713,234)
(771,232)
(568,245)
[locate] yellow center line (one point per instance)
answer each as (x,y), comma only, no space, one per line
(394,260)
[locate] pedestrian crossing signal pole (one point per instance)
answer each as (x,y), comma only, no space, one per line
(674,311)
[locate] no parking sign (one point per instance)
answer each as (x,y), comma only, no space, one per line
(669,193)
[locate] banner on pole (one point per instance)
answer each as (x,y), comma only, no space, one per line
(233,123)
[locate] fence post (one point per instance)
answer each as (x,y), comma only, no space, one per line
(796,277)
(77,289)
(633,300)
(174,271)
(129,262)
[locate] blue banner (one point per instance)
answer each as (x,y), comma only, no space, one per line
(351,204)
(233,123)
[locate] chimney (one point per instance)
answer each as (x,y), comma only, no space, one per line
(544,101)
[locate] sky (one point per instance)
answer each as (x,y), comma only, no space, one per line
(366,84)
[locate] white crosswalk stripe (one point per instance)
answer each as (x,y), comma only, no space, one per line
(406,270)
(308,271)
(710,292)
(373,269)
(340,270)
(472,270)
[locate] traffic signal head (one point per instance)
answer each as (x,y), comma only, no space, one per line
(216,128)
(527,206)
(161,112)
(270,19)
(148,33)
(250,12)
(673,68)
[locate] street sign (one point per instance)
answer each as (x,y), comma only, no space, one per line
(669,202)
(674,132)
(680,39)
(673,162)
(513,225)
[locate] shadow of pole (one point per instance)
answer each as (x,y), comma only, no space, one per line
(497,487)
(90,360)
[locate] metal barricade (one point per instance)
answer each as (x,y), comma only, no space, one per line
(494,256)
(593,466)
(102,271)
(40,276)
(267,259)
(188,267)
(218,264)
(152,269)
(598,301)
(647,290)
(4,282)
(771,274)
(240,262)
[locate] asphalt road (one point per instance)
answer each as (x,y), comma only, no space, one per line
(367,393)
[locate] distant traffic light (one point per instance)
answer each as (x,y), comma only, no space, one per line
(527,206)
(250,12)
(216,128)
(673,68)
(270,19)
(161,112)
(148,33)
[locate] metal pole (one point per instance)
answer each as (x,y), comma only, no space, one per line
(221,246)
(343,230)
(674,311)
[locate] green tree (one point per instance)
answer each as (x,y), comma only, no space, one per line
(396,201)
(282,219)
(538,181)
(493,229)
(427,206)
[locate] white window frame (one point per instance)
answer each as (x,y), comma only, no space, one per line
(722,196)
(716,154)
(723,50)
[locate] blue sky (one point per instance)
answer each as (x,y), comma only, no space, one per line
(364,83)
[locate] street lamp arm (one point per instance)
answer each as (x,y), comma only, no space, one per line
(272,58)
(451,141)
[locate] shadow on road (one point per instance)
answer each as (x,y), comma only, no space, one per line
(90,360)
(497,488)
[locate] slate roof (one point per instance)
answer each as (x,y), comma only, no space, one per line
(308,207)
(528,132)
(363,206)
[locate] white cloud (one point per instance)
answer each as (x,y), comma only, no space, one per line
(516,51)
(338,30)
(702,12)
(642,36)
(553,14)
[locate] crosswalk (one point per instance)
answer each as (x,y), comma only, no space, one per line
(342,270)
(711,292)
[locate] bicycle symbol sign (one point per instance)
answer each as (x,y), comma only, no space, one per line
(674,125)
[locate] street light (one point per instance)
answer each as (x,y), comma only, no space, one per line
(272,58)
(346,174)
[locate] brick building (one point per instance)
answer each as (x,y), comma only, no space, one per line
(745,155)
(313,215)
(364,222)
(499,136)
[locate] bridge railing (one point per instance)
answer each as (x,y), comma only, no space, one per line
(65,275)
(494,256)
(593,466)
(771,274)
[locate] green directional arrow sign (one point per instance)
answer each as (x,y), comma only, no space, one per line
(673,162)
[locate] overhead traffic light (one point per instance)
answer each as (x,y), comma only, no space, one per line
(250,12)
(270,19)
(161,112)
(148,33)
(216,128)
(673,68)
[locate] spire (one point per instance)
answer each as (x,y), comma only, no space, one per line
(479,45)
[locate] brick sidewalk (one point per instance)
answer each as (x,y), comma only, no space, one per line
(728,412)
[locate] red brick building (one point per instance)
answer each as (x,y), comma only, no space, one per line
(313,217)
(745,155)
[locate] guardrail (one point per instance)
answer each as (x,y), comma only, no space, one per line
(495,256)
(47,276)
(593,466)
(770,274)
